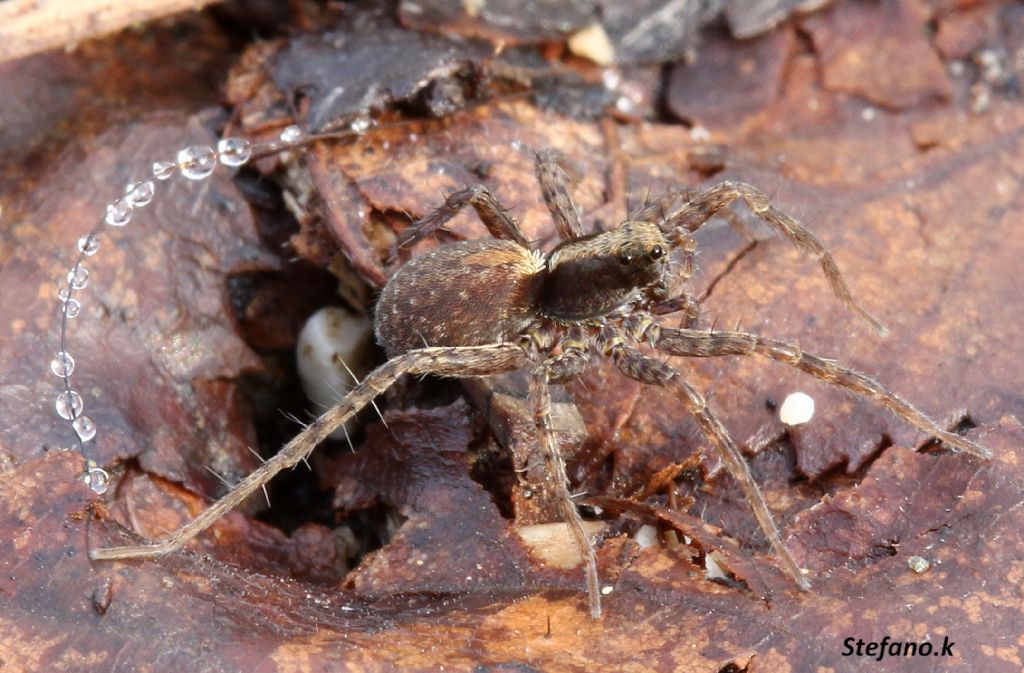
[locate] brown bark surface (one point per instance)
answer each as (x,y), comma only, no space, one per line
(904,155)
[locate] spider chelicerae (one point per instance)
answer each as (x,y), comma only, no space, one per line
(485,307)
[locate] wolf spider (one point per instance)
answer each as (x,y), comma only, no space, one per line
(484,307)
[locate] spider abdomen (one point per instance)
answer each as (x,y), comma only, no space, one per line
(469,293)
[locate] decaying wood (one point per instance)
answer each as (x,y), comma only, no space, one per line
(915,191)
(30,26)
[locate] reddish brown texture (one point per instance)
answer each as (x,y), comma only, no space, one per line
(454,539)
(881,52)
(921,208)
(360,183)
(753,68)
(154,312)
(661,616)
(960,34)
(147,505)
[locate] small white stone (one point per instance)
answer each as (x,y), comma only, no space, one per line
(712,570)
(700,134)
(918,564)
(331,339)
(796,409)
(593,43)
(646,536)
(607,589)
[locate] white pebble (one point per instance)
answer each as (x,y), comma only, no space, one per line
(712,570)
(797,409)
(646,536)
(593,43)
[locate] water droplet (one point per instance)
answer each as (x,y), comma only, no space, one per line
(234,151)
(64,294)
(69,405)
(72,308)
(164,169)
(140,194)
(197,162)
(62,365)
(85,427)
(89,244)
(97,479)
(361,124)
(119,213)
(78,277)
(292,134)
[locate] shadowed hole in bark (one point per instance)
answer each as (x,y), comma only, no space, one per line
(731,667)
(372,527)
(491,467)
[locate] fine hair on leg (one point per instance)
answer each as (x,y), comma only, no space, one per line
(456,362)
(553,171)
(567,365)
(492,214)
(699,343)
(636,365)
(676,215)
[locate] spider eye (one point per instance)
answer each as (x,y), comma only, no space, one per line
(657,252)
(625,258)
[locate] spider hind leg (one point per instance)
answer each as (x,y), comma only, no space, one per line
(636,365)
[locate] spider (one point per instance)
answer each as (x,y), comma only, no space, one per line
(485,307)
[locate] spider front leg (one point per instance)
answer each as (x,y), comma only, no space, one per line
(697,343)
(553,172)
(691,216)
(461,362)
(636,365)
(565,366)
(490,211)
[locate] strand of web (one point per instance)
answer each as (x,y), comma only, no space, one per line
(196,162)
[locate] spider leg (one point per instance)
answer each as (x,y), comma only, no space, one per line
(698,343)
(636,365)
(685,303)
(553,173)
(494,216)
(461,362)
(562,367)
(691,216)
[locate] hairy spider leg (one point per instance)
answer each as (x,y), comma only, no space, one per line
(636,365)
(660,208)
(699,343)
(561,367)
(692,214)
(553,173)
(495,217)
(456,362)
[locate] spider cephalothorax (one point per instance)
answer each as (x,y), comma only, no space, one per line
(479,308)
